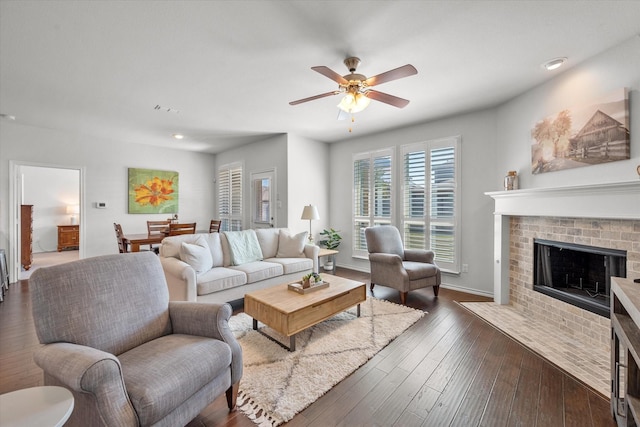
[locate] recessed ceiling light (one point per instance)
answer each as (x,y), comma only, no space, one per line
(7,116)
(554,63)
(178,136)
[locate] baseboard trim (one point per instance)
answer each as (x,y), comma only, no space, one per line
(467,290)
(444,285)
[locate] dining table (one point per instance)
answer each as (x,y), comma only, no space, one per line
(135,240)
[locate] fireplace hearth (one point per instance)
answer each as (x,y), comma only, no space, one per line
(577,274)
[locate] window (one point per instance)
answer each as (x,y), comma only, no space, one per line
(372,194)
(230,197)
(262,202)
(430,200)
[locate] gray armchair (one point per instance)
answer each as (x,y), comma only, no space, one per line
(399,268)
(129,356)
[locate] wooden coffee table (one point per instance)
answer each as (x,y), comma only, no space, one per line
(288,312)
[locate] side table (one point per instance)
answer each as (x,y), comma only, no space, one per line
(331,257)
(36,407)
(68,237)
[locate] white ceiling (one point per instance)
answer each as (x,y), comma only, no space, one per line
(230,68)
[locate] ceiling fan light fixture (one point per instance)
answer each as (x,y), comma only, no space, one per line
(354,102)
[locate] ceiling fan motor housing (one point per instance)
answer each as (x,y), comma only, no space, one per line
(352,63)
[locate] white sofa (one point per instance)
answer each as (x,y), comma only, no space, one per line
(223,267)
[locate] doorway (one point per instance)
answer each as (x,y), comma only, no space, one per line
(56,193)
(263,195)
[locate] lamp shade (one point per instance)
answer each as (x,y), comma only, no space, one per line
(73,209)
(310,212)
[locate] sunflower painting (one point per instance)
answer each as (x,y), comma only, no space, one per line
(153,191)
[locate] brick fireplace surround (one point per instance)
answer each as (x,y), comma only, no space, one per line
(605,233)
(604,215)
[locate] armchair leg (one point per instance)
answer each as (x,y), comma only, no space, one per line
(372,285)
(403,298)
(232,395)
(436,289)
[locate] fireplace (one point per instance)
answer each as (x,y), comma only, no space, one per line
(579,275)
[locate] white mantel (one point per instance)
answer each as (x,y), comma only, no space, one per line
(616,200)
(606,201)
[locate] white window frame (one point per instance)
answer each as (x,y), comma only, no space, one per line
(445,263)
(230,196)
(359,249)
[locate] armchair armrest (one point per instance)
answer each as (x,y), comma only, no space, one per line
(207,320)
(181,279)
(419,255)
(88,370)
(390,259)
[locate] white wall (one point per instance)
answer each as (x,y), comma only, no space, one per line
(106,163)
(260,156)
(50,191)
(308,177)
(581,85)
(477,132)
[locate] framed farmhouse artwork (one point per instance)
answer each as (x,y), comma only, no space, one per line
(153,191)
(583,136)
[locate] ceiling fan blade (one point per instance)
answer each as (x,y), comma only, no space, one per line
(311,98)
(398,73)
(328,72)
(386,98)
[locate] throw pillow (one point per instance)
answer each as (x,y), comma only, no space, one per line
(197,255)
(291,246)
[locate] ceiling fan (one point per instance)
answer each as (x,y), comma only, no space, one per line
(356,86)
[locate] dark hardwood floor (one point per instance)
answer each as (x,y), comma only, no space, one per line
(450,368)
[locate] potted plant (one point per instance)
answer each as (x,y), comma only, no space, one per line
(331,240)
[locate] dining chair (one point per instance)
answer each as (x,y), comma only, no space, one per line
(214,227)
(155,228)
(185,228)
(123,247)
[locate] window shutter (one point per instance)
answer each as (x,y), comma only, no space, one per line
(230,197)
(382,187)
(414,199)
(372,194)
(430,200)
(442,233)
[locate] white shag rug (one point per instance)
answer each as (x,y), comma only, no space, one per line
(277,384)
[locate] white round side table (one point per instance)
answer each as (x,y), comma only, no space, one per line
(37,406)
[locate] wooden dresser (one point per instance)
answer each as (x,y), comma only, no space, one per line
(26,236)
(68,237)
(625,351)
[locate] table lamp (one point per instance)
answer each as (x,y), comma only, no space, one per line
(73,210)
(310,212)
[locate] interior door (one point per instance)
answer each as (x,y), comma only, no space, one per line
(263,197)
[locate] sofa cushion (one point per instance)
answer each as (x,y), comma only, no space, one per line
(244,246)
(293,265)
(291,246)
(218,279)
(197,254)
(171,245)
(213,240)
(268,239)
(259,270)
(163,373)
